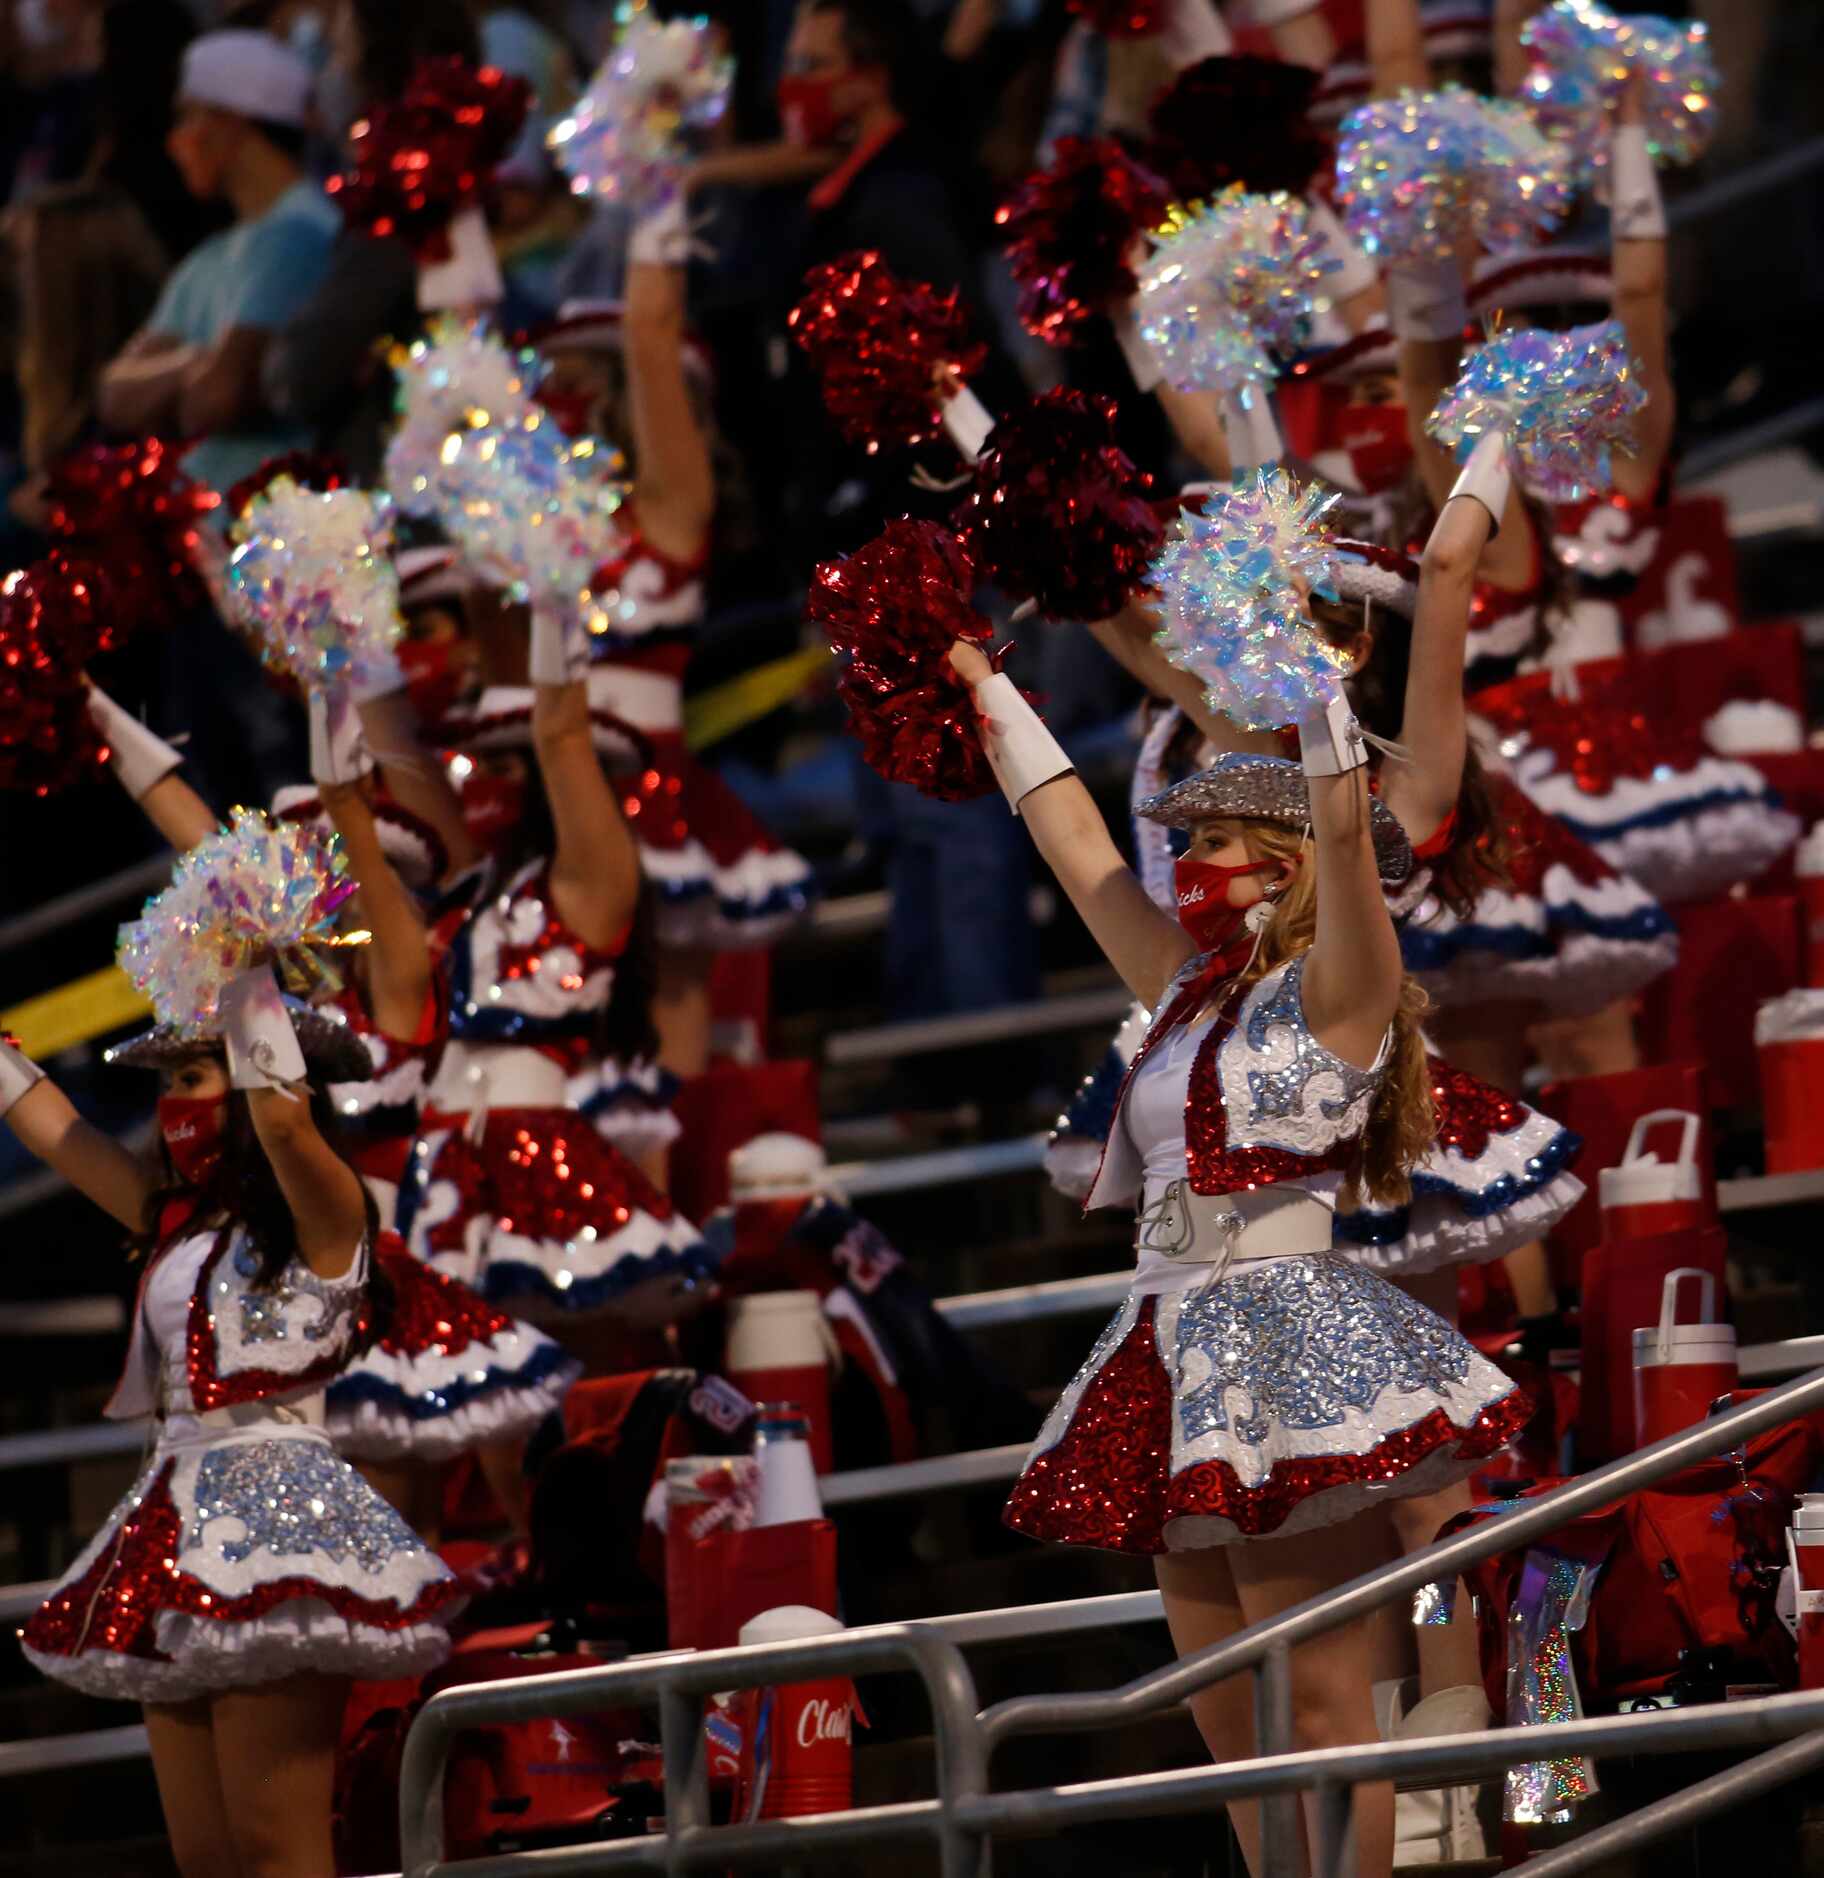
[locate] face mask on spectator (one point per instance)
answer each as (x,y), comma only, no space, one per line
(807,110)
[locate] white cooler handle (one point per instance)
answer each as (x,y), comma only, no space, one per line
(1687,1143)
(1668,1304)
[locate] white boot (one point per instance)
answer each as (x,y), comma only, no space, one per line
(1440,1825)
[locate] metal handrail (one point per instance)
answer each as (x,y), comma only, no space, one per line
(678,1682)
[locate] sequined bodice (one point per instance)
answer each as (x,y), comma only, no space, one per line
(1257,1099)
(519,975)
(1608,541)
(207,1335)
(644,596)
(385,1107)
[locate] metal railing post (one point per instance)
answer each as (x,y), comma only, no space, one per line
(1335,1810)
(686,1771)
(1280,1853)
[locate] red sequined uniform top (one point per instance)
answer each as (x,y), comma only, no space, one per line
(653,604)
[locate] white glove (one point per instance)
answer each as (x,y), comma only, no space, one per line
(338,749)
(263,1049)
(1425,300)
(967,421)
(19,1075)
(1333,744)
(557,655)
(1357,273)
(661,239)
(1485,478)
(470,278)
(1637,212)
(1020,750)
(1142,366)
(139,757)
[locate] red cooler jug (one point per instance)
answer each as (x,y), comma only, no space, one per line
(1644,1195)
(778,1350)
(1680,1369)
(797,1754)
(1789,1038)
(1805,1548)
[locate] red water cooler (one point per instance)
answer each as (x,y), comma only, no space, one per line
(797,1752)
(1789,1040)
(1680,1369)
(1805,1549)
(1656,1219)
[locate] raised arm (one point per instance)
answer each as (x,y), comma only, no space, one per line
(1353,971)
(1143,944)
(414,776)
(1434,726)
(46,1124)
(1395,35)
(595,870)
(1128,640)
(327,1201)
(146,767)
(1637,232)
(398,957)
(675,483)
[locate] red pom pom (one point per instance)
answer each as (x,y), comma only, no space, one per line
(425,156)
(1236,120)
(1121,19)
(1059,514)
(894,608)
(1070,229)
(129,506)
(322,470)
(878,344)
(52,619)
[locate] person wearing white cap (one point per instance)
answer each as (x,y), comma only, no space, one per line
(243,105)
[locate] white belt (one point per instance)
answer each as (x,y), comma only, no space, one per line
(476,1077)
(646,700)
(245,1421)
(1224,1229)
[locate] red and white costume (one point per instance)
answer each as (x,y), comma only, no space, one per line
(509,1187)
(247,1550)
(722,882)
(1256,1382)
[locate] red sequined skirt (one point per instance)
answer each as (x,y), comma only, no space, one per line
(1291,1395)
(534,1210)
(243,1560)
(722,881)
(450,1373)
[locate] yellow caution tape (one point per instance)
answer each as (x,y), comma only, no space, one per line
(713,715)
(75,1013)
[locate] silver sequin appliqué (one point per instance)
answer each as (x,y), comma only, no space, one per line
(295,1497)
(1279,1091)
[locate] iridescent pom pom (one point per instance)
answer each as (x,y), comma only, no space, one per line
(252,893)
(879,345)
(532,510)
(1420,174)
(893,609)
(313,580)
(1235,120)
(322,470)
(53,616)
(132,508)
(1228,585)
(1564,402)
(1059,514)
(630,132)
(1582,58)
(1069,234)
(1227,283)
(426,155)
(456,379)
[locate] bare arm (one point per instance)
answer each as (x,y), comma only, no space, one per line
(399,955)
(1434,725)
(595,872)
(221,385)
(1304,39)
(328,1203)
(1353,971)
(141,387)
(1143,944)
(1640,304)
(1396,48)
(1510,55)
(1196,421)
(677,491)
(1128,640)
(95,1164)
(415,777)
(146,767)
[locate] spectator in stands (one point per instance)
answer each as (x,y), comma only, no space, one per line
(195,366)
(320,368)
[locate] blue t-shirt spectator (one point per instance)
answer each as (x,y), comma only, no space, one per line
(255,275)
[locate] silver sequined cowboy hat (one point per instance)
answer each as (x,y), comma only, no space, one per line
(332,1052)
(1269,789)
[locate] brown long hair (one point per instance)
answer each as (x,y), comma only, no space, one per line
(1402,1123)
(242,1190)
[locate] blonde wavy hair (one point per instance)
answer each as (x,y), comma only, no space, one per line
(1403,1124)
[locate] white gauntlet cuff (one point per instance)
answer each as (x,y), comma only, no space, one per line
(1637,212)
(1333,744)
(1485,478)
(263,1049)
(19,1075)
(967,420)
(1022,753)
(557,655)
(139,757)
(1425,300)
(338,749)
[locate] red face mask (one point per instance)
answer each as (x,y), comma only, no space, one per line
(492,806)
(807,111)
(573,410)
(1203,900)
(1379,449)
(431,682)
(192,1129)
